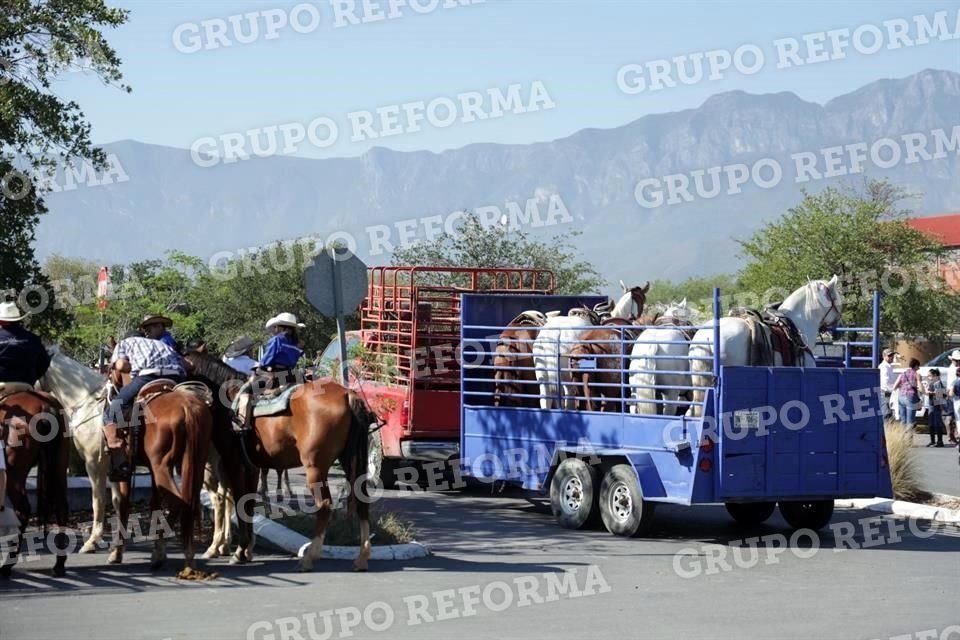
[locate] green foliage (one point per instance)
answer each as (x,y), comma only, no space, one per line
(862,237)
(698,291)
(39,40)
(474,245)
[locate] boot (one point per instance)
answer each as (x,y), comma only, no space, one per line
(119,461)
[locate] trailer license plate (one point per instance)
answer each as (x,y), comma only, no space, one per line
(587,363)
(745,420)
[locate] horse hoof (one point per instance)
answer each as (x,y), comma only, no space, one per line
(306,567)
(89,547)
(116,557)
(360,568)
(59,571)
(156,565)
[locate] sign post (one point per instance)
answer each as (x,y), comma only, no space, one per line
(336,283)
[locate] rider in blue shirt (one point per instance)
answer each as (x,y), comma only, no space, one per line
(156,327)
(280,357)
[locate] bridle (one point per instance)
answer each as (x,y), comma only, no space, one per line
(831,296)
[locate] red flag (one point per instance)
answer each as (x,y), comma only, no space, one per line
(103,286)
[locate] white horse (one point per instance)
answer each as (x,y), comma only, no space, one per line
(812,307)
(650,364)
(79,389)
(559,335)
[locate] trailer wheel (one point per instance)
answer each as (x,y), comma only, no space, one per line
(750,513)
(380,468)
(807,515)
(622,507)
(573,494)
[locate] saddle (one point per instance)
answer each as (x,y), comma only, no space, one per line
(275,404)
(684,325)
(8,389)
(771,333)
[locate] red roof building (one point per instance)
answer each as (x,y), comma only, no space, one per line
(946,229)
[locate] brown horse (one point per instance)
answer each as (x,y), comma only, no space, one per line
(175,432)
(33,431)
(513,359)
(323,423)
(606,351)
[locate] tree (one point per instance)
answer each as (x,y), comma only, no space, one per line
(474,245)
(40,39)
(698,291)
(862,236)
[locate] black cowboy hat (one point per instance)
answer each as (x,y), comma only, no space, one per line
(239,347)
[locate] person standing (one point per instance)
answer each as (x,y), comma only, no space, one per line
(910,389)
(953,391)
(937,404)
(887,378)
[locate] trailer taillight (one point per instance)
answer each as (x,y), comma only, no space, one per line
(706,464)
(405,413)
(706,445)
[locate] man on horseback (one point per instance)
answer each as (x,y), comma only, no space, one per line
(23,357)
(146,359)
(280,357)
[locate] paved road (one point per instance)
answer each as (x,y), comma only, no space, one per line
(940,466)
(903,587)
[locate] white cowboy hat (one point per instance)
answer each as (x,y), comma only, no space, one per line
(284,320)
(955,355)
(10,312)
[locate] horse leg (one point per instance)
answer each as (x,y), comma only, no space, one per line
(320,490)
(60,462)
(213,486)
(262,487)
(587,392)
(123,514)
(241,483)
(17,492)
(286,481)
(97,472)
(159,555)
(279,493)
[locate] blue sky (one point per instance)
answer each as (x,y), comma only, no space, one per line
(574,47)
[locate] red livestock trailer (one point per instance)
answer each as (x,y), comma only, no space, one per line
(406,355)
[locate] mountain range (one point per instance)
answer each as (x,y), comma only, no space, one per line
(163,200)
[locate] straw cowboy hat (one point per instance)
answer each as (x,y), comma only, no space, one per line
(284,320)
(955,355)
(148,320)
(10,312)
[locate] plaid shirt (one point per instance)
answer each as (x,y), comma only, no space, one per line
(144,353)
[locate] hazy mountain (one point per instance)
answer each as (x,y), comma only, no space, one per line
(170,202)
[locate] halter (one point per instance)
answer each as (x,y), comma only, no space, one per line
(833,306)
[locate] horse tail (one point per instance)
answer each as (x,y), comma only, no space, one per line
(52,466)
(355,452)
(198,424)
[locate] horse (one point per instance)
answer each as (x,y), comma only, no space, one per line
(658,361)
(811,308)
(33,428)
(513,359)
(175,431)
(324,422)
(560,334)
(80,389)
(605,349)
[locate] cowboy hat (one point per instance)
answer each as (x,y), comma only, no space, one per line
(149,319)
(955,355)
(284,320)
(887,352)
(238,347)
(10,312)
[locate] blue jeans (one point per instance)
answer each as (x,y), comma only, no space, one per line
(908,412)
(125,398)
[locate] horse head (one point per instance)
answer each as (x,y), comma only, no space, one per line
(825,296)
(632,302)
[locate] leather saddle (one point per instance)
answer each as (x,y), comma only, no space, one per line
(770,333)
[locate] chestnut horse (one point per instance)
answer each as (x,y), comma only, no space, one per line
(33,431)
(323,423)
(513,359)
(176,432)
(605,351)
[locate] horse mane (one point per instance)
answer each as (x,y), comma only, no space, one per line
(211,368)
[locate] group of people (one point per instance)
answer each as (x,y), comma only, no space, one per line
(940,398)
(147,354)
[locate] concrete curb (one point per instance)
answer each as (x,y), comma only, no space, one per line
(906,509)
(292,542)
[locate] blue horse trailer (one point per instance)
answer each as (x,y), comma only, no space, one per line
(763,437)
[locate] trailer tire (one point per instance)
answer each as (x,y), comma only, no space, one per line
(814,514)
(622,507)
(750,514)
(573,494)
(380,469)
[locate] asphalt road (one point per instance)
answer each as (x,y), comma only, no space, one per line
(940,466)
(905,583)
